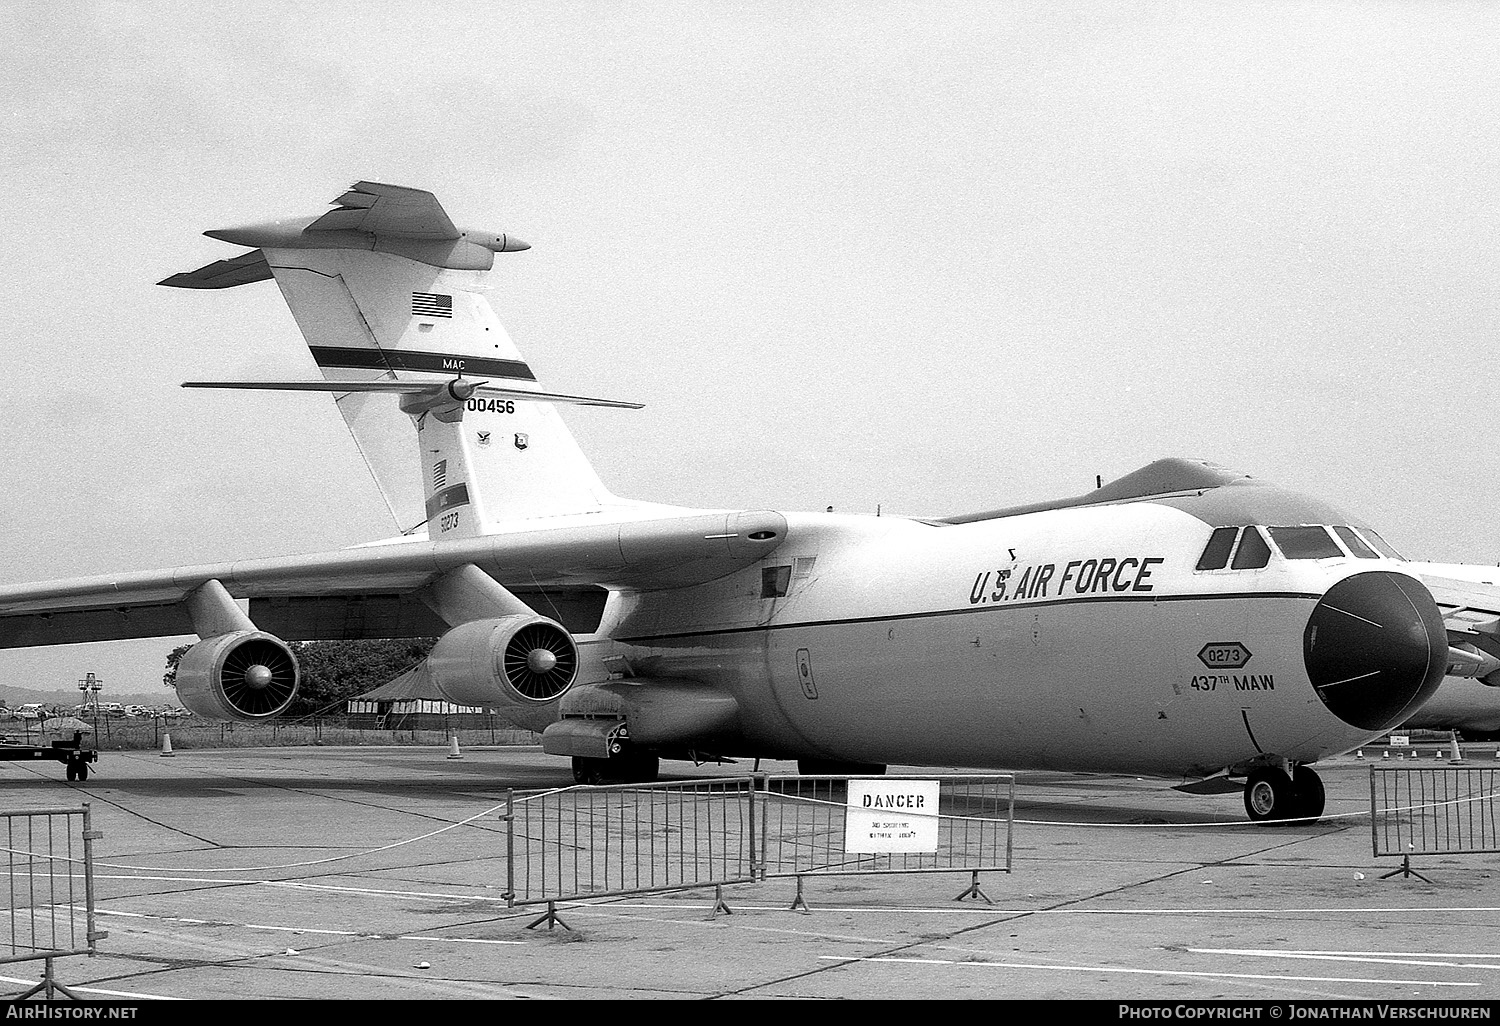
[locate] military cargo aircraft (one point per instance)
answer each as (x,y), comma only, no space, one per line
(1184,621)
(1468,596)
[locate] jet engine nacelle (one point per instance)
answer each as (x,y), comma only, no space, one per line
(520,664)
(242,675)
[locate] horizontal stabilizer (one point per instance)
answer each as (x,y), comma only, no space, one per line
(379,209)
(223,274)
(459,389)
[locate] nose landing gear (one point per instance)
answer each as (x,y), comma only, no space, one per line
(1271,795)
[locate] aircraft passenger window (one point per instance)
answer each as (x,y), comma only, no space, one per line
(1216,552)
(1355,544)
(1305,543)
(774,581)
(1380,544)
(1253,552)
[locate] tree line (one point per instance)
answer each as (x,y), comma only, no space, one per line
(335,671)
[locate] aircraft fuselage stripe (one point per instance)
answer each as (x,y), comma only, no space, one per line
(645,639)
(447,498)
(387,359)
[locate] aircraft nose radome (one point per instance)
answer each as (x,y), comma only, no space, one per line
(1375,646)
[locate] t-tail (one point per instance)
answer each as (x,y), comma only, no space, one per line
(389,295)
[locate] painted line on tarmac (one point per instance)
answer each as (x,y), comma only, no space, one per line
(782,907)
(1274,977)
(1315,951)
(173,879)
(1385,957)
(603,912)
(148,915)
(93,990)
(884,909)
(386,891)
(994,910)
(458,940)
(221,922)
(302,929)
(379,936)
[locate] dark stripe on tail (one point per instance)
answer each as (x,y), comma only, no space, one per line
(453,495)
(442,363)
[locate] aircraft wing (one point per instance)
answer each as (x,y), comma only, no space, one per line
(388,210)
(1465,594)
(639,554)
(1468,596)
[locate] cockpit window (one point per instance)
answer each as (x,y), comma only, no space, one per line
(1305,543)
(1253,552)
(1216,552)
(1355,543)
(1380,545)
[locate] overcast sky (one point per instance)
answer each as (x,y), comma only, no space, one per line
(936,257)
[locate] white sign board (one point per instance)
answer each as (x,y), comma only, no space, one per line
(1400,740)
(891,815)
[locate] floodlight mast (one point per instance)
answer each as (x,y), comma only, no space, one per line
(91,685)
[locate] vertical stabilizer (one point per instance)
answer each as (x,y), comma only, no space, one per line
(386,289)
(374,316)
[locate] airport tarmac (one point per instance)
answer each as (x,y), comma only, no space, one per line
(278,873)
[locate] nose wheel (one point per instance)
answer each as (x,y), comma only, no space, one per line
(1273,796)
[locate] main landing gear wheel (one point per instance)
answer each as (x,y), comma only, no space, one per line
(588,771)
(1272,796)
(1310,794)
(626,768)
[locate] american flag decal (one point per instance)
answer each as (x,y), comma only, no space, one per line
(439,475)
(431,304)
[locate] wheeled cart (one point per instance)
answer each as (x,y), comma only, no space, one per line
(71,754)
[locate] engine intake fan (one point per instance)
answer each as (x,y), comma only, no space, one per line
(242,675)
(541,661)
(514,663)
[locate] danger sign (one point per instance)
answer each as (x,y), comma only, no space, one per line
(891,815)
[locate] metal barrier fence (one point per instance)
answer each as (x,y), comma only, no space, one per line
(1447,810)
(806,828)
(590,842)
(629,839)
(49,909)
